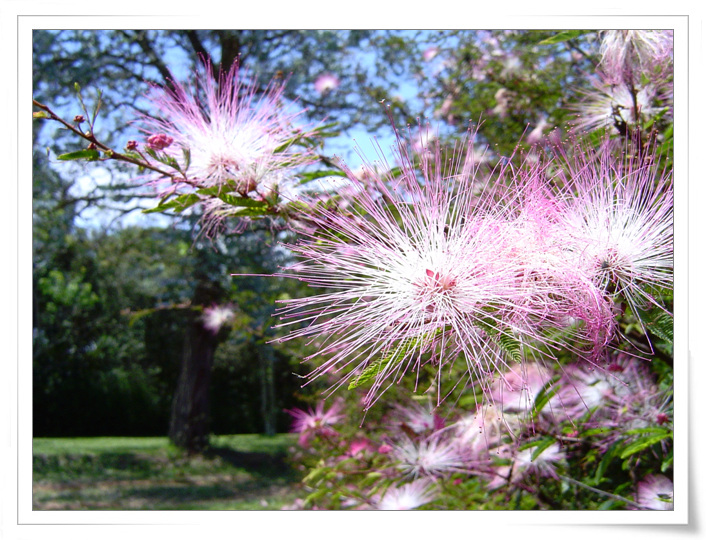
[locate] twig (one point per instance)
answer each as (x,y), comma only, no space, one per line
(601,492)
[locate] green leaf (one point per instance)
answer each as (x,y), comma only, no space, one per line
(506,341)
(510,346)
(40,114)
(641,444)
(179,204)
(605,462)
(544,395)
(661,324)
(395,357)
(648,430)
(251,212)
(564,36)
(305,178)
(88,155)
(223,194)
(539,446)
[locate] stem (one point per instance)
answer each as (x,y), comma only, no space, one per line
(90,137)
(601,492)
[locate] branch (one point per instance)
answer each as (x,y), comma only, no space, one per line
(110,153)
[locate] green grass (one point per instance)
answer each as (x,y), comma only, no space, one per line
(237,472)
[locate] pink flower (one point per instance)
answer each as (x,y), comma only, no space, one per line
(222,134)
(432,268)
(316,421)
(655,492)
(326,82)
(525,462)
(215,317)
(407,496)
(618,224)
(419,419)
(358,446)
(626,55)
(613,106)
(517,390)
(432,456)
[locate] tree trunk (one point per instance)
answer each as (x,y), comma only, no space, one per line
(189,426)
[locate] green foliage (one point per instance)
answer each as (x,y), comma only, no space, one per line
(564,36)
(88,155)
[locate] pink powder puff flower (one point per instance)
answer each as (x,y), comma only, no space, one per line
(619,224)
(419,419)
(626,55)
(523,464)
(326,82)
(215,317)
(316,421)
(583,389)
(612,106)
(516,391)
(234,139)
(479,435)
(417,273)
(431,456)
(655,492)
(635,401)
(407,496)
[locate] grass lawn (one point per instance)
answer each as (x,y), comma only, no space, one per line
(238,472)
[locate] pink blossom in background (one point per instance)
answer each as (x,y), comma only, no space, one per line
(316,421)
(215,317)
(407,496)
(326,82)
(418,418)
(432,456)
(537,134)
(626,55)
(516,391)
(655,492)
(612,106)
(424,140)
(523,464)
(430,53)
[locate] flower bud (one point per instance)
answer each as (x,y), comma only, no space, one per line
(159,141)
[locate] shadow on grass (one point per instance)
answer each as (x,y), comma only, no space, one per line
(266,466)
(112,464)
(162,494)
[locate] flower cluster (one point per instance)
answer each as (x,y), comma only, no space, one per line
(412,458)
(434,264)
